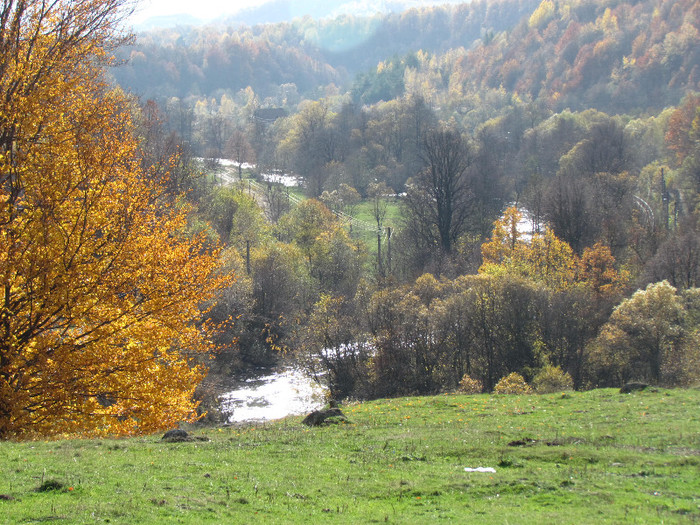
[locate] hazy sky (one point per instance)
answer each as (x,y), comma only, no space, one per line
(208,9)
(203,9)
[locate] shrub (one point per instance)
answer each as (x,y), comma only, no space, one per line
(552,379)
(469,385)
(513,383)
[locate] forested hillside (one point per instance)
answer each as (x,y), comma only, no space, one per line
(309,53)
(616,57)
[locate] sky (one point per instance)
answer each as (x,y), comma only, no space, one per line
(208,9)
(203,9)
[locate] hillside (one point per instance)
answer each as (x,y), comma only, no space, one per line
(309,53)
(617,57)
(620,57)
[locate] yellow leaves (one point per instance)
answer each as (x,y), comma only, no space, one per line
(545,258)
(552,259)
(505,238)
(101,286)
(542,15)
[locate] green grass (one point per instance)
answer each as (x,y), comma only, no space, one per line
(363,211)
(592,457)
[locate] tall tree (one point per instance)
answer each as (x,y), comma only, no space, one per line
(239,150)
(437,200)
(100,288)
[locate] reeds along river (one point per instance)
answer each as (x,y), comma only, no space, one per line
(272,394)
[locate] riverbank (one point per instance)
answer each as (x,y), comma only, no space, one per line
(580,457)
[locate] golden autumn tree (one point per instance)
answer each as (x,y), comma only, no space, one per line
(546,258)
(99,287)
(543,258)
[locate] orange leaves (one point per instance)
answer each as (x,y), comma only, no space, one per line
(683,133)
(100,287)
(597,268)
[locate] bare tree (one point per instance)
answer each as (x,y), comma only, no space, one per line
(437,199)
(239,150)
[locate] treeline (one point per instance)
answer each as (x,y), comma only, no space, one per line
(436,335)
(464,292)
(592,177)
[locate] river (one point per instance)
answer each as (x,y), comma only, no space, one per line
(272,394)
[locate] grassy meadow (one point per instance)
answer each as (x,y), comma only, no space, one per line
(364,212)
(579,457)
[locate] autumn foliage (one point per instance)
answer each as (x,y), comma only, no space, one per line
(100,287)
(547,259)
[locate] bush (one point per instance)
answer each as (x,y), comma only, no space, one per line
(513,383)
(552,379)
(470,386)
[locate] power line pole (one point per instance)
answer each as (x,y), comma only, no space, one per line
(379,253)
(388,249)
(664,200)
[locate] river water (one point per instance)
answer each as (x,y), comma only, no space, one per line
(272,394)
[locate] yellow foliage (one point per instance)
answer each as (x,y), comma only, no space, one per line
(546,258)
(513,384)
(543,14)
(607,22)
(100,288)
(505,239)
(552,379)
(468,385)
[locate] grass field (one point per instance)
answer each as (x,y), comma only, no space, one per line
(590,457)
(363,212)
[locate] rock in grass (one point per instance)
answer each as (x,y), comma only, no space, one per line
(330,416)
(632,387)
(177,435)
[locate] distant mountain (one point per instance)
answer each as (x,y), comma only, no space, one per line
(617,57)
(277,11)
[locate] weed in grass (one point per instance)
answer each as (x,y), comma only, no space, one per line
(50,485)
